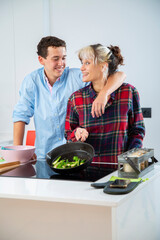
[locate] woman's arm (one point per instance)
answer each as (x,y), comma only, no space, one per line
(72,130)
(136,127)
(72,122)
(113,82)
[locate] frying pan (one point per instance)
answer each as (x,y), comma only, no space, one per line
(67,151)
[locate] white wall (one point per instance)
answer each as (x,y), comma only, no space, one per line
(134,25)
(21,27)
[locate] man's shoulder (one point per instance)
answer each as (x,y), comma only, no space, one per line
(79,93)
(34,77)
(73,77)
(72,72)
(36,72)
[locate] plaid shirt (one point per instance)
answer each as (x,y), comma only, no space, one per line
(119,129)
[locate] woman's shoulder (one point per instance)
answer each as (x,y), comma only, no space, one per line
(125,91)
(127,87)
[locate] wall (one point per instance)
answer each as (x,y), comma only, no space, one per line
(21,27)
(133,25)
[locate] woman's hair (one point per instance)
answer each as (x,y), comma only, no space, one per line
(99,53)
(50,41)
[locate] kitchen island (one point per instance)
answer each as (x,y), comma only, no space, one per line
(36,209)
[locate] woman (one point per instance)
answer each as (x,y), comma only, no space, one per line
(121,127)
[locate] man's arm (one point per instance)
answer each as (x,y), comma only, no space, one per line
(18,133)
(24,109)
(113,83)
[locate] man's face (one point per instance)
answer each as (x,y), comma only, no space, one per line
(55,62)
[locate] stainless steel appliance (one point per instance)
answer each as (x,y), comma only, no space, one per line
(136,162)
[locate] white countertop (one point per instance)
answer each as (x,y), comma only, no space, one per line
(66,191)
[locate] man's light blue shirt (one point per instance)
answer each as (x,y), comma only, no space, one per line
(49,110)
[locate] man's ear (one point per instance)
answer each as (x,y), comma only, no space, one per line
(41,60)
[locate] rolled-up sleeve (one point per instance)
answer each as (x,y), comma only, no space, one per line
(24,109)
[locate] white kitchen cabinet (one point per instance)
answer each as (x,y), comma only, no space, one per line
(55,209)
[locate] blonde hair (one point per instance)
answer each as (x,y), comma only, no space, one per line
(96,52)
(100,54)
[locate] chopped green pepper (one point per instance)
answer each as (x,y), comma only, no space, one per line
(65,163)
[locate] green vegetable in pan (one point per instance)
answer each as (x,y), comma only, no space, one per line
(65,163)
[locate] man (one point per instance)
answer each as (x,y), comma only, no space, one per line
(44,94)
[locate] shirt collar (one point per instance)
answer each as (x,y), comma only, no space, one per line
(49,85)
(61,77)
(113,95)
(93,94)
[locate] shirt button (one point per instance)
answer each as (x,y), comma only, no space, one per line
(55,114)
(59,138)
(57,126)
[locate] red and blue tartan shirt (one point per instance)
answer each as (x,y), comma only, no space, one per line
(119,129)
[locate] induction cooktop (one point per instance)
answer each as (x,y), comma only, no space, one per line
(91,174)
(41,170)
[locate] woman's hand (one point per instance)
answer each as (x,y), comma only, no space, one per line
(81,134)
(98,106)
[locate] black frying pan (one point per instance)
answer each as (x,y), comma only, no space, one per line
(67,151)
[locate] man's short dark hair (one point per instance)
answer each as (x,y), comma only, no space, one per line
(50,41)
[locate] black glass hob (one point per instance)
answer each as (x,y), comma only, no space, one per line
(41,170)
(91,174)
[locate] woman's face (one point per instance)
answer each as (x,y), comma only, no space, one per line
(91,71)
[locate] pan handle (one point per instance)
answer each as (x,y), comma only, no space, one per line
(48,156)
(70,141)
(67,141)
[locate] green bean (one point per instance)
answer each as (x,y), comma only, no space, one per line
(65,163)
(56,161)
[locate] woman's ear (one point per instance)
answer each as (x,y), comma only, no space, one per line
(104,66)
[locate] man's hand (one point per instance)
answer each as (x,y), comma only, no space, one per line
(113,83)
(98,106)
(81,134)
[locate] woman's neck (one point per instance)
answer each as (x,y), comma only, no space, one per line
(98,85)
